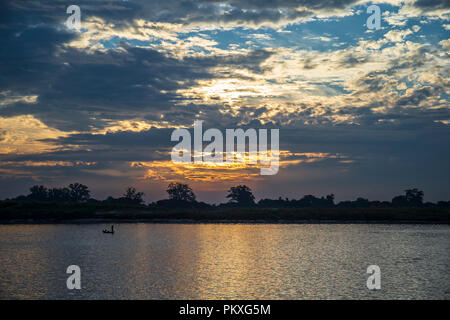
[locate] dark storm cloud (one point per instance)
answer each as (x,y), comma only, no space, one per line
(122,13)
(28,57)
(72,85)
(397,131)
(119,84)
(432,4)
(385,156)
(152,138)
(184,12)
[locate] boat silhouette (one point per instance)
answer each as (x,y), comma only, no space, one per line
(109,231)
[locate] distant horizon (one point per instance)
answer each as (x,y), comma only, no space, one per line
(226,191)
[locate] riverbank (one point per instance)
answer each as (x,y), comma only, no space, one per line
(190,221)
(93,213)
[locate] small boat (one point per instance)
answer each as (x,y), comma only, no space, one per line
(109,231)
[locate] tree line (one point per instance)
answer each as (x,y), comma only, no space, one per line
(182,196)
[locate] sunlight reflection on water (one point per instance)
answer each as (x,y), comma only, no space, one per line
(225,261)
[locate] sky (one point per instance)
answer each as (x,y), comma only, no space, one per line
(361,112)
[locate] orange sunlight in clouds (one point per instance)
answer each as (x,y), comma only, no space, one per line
(208,171)
(24,134)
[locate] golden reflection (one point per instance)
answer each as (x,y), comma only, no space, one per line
(228,265)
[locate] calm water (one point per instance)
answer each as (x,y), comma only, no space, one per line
(217,261)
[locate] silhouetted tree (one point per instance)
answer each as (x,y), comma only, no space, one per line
(79,192)
(241,195)
(180,192)
(279,203)
(399,201)
(38,193)
(444,204)
(132,196)
(307,201)
(361,203)
(182,196)
(414,197)
(329,200)
(312,201)
(59,195)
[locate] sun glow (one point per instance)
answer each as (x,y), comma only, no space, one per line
(207,171)
(26,135)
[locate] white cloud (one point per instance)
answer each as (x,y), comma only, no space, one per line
(397,35)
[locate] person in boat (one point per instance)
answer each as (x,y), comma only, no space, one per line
(107,231)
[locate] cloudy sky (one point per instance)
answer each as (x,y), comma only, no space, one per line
(360,112)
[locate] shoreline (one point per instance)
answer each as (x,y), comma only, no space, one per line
(215,221)
(84,213)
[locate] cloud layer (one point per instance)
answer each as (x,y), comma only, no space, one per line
(372,106)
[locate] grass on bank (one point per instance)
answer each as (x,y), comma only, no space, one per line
(45,211)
